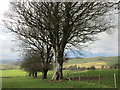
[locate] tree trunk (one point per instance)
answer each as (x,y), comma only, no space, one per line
(57,72)
(35,74)
(58,66)
(30,74)
(44,74)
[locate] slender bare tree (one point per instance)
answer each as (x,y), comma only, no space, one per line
(33,62)
(59,24)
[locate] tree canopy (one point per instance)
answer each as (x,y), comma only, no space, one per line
(59,25)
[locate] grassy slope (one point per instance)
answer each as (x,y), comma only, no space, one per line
(98,61)
(27,82)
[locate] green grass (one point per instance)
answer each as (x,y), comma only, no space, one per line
(111,60)
(21,81)
(27,82)
(13,73)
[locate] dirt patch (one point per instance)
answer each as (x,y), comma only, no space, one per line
(58,81)
(82,78)
(69,86)
(7,77)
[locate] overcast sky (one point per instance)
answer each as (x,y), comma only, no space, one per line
(107,45)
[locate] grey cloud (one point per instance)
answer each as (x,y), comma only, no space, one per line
(107,44)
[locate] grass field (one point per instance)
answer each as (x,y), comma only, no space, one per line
(20,80)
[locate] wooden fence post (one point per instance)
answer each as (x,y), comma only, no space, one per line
(69,77)
(73,75)
(79,77)
(89,78)
(115,81)
(99,78)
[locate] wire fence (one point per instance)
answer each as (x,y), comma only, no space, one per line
(100,78)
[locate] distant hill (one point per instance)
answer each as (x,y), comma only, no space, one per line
(96,61)
(9,65)
(81,62)
(8,61)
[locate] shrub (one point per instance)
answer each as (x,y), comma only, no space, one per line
(92,68)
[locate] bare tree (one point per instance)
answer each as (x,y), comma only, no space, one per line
(59,24)
(33,62)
